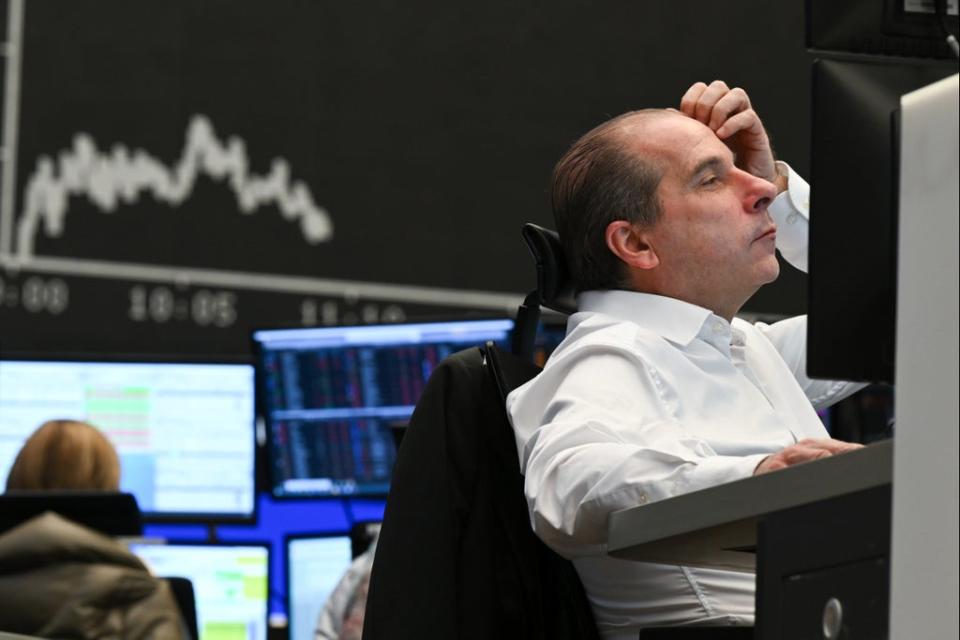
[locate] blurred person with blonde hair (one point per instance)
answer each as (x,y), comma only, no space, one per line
(66,455)
(59,579)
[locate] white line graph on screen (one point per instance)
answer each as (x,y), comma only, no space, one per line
(120,176)
(113,178)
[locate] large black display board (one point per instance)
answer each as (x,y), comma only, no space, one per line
(180,172)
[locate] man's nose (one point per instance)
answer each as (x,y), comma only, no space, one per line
(759,193)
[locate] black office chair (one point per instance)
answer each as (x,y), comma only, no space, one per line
(555,288)
(183,594)
(456,557)
(112,514)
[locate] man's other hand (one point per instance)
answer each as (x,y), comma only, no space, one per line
(804,451)
(730,115)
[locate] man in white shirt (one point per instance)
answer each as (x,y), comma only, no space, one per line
(669,220)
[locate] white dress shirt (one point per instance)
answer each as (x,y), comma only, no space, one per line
(650,397)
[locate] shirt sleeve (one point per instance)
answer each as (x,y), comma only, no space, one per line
(789,338)
(605,443)
(791,212)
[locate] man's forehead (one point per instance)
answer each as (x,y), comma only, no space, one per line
(673,138)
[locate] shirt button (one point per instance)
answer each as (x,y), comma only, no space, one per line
(718,328)
(792,218)
(643,498)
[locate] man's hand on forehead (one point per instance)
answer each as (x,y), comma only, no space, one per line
(731,117)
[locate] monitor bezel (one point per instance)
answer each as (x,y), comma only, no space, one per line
(168,517)
(263,409)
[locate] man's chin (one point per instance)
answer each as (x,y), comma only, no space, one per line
(770,271)
(774,274)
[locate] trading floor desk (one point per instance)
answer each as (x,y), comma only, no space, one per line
(818,536)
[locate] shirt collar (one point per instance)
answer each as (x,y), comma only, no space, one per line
(677,321)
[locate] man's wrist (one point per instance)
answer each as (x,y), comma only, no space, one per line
(781,180)
(756,469)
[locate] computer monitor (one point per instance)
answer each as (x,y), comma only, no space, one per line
(853,212)
(885,27)
(230,584)
(315,564)
(185,432)
(330,396)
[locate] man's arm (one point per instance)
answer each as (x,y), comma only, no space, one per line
(600,439)
(598,447)
(789,338)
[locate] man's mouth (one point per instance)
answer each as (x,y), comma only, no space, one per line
(770,233)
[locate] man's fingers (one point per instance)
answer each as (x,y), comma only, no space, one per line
(688,103)
(734,101)
(707,100)
(744,121)
(835,446)
(797,454)
(770,463)
(815,449)
(805,451)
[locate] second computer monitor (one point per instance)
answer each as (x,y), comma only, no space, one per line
(315,565)
(331,396)
(853,213)
(230,584)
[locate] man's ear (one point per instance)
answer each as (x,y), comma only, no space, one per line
(631,244)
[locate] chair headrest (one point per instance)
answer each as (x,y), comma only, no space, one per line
(110,513)
(555,286)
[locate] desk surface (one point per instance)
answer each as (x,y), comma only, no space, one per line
(716,527)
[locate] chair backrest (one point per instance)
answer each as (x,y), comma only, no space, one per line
(456,557)
(110,513)
(555,287)
(568,612)
(182,590)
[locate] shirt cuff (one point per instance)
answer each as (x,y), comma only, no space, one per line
(715,470)
(790,211)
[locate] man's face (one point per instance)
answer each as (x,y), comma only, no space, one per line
(714,240)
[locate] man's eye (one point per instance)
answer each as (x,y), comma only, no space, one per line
(710,180)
